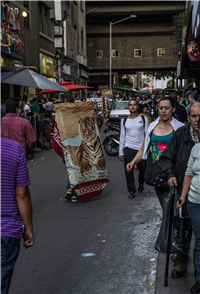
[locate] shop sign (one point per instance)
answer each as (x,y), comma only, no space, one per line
(106,91)
(47,65)
(10,63)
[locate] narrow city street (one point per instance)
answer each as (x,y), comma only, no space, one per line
(123,263)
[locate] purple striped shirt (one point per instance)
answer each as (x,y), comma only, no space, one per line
(14,173)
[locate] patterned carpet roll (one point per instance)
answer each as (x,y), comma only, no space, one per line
(81,145)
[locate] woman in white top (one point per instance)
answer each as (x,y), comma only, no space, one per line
(191,186)
(158,136)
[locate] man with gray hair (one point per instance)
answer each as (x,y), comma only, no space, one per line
(173,162)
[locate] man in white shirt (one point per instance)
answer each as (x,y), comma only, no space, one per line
(133,130)
(48,105)
(27,109)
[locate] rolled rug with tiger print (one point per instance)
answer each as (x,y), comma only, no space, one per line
(81,145)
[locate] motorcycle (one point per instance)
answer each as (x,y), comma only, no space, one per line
(111,142)
(152,111)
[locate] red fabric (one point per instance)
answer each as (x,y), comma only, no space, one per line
(48,92)
(71,88)
(90,190)
(17,129)
(65,83)
(57,142)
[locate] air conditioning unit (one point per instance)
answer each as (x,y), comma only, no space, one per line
(52,14)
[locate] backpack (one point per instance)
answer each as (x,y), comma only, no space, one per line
(143,118)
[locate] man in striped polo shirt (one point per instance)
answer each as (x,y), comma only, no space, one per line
(16,208)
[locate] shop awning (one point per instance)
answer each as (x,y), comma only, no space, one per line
(70,88)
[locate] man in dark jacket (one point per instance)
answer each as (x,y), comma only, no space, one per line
(173,162)
(180,109)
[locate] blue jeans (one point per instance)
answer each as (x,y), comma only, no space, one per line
(9,253)
(194,213)
(69,187)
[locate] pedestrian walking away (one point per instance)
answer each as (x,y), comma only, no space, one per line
(157,138)
(15,208)
(17,128)
(133,130)
(173,162)
(180,110)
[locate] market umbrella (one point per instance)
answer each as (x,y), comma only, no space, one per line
(157,90)
(144,91)
(170,89)
(70,88)
(65,83)
(146,88)
(136,91)
(29,78)
(48,92)
(123,89)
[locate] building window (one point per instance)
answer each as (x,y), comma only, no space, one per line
(137,52)
(115,53)
(40,16)
(74,26)
(161,52)
(45,21)
(26,19)
(99,53)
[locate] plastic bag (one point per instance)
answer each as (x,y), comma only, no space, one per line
(180,226)
(180,229)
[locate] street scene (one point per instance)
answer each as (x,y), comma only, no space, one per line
(100,147)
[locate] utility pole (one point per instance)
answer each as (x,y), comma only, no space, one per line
(58,35)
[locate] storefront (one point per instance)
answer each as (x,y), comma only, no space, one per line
(10,63)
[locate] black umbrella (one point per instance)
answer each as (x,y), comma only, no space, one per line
(29,78)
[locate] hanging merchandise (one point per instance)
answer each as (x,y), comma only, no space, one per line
(2,13)
(5,7)
(4,37)
(17,21)
(10,18)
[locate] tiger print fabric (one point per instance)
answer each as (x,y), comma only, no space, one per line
(81,142)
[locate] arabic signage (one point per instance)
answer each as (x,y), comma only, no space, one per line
(10,63)
(47,65)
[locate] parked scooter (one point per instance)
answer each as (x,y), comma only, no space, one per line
(111,142)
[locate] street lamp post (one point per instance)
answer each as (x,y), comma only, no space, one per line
(111,24)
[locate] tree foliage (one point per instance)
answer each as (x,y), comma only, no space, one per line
(178,22)
(159,75)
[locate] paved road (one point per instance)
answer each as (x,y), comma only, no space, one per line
(63,231)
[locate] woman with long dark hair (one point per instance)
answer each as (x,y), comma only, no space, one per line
(157,138)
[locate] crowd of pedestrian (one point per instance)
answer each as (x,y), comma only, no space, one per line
(172,142)
(170,145)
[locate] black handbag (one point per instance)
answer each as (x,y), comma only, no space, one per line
(153,173)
